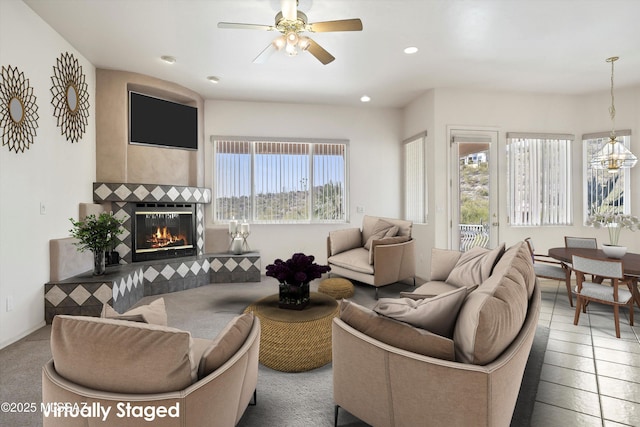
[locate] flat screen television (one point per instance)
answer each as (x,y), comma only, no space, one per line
(155,121)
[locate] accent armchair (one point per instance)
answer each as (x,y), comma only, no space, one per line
(118,364)
(380,254)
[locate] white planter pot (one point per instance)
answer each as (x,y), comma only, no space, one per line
(614,251)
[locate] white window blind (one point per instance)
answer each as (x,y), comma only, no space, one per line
(415,200)
(273,181)
(329,176)
(604,191)
(539,175)
(232,180)
(281,181)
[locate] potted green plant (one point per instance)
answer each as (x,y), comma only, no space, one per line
(97,234)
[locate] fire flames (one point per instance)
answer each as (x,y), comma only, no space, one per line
(163,238)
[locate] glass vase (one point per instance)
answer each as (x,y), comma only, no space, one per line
(98,263)
(293,297)
(614,233)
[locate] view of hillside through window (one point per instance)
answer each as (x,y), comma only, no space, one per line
(474,200)
(280,182)
(474,190)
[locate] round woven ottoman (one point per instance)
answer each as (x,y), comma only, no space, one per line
(295,340)
(336,287)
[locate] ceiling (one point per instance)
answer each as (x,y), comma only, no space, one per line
(548,46)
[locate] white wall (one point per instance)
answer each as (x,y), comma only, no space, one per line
(52,171)
(419,116)
(517,112)
(374,136)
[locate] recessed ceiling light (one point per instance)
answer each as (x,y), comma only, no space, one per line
(168,59)
(213,79)
(410,50)
(365,98)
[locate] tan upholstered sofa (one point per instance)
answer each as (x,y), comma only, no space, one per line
(380,254)
(148,374)
(391,373)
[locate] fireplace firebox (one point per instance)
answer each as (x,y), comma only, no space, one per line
(163,230)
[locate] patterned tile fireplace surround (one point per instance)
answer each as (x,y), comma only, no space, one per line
(123,285)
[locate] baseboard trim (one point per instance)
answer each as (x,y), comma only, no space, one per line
(17,338)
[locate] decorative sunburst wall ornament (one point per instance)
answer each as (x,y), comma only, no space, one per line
(70,97)
(18,110)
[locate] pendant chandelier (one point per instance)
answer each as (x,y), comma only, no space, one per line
(614,155)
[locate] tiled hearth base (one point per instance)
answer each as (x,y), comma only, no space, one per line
(123,285)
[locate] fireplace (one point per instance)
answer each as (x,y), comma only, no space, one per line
(163,230)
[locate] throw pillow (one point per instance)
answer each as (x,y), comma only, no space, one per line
(492,316)
(123,357)
(226,344)
(398,334)
(442,262)
(474,266)
(386,241)
(418,296)
(154,313)
(344,240)
(437,314)
(380,230)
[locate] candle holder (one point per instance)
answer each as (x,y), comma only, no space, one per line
(238,234)
(245,245)
(233,233)
(236,245)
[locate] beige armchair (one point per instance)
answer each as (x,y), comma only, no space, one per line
(380,254)
(125,373)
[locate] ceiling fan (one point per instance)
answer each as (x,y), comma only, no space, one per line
(292,23)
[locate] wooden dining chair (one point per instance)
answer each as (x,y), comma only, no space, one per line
(549,268)
(614,295)
(580,242)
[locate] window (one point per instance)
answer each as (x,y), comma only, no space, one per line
(539,175)
(415,205)
(275,181)
(604,191)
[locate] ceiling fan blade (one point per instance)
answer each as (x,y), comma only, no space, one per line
(340,25)
(239,26)
(319,52)
(289,9)
(265,54)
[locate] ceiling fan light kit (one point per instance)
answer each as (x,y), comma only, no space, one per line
(291,22)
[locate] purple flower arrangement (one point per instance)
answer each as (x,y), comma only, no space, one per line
(298,270)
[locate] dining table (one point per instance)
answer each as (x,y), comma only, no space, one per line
(630,263)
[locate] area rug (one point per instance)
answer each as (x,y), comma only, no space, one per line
(305,399)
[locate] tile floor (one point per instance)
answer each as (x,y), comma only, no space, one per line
(589,377)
